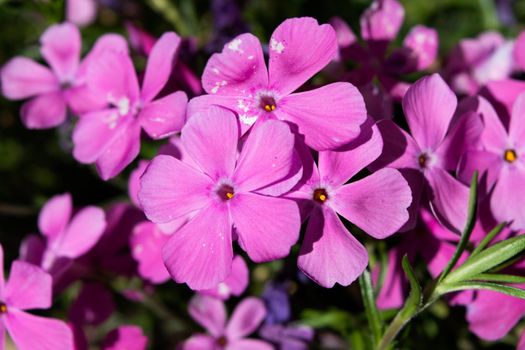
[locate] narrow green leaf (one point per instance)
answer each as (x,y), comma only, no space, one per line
(496,277)
(469,226)
(468,285)
(487,259)
(415,297)
(372,314)
(488,238)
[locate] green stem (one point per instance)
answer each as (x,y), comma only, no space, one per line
(170,12)
(372,314)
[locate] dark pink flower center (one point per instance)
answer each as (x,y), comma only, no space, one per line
(510,155)
(320,195)
(222,341)
(423,160)
(225,192)
(268,103)
(3,308)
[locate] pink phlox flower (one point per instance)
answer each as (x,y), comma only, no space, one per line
(126,337)
(81,12)
(51,90)
(501,159)
(223,189)
(432,150)
(65,236)
(237,78)
(380,24)
(377,204)
(210,313)
(29,287)
(110,137)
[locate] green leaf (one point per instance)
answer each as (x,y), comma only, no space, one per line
(415,297)
(487,259)
(469,227)
(496,277)
(372,314)
(488,238)
(469,285)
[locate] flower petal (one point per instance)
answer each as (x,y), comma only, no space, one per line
(146,244)
(209,312)
(299,48)
(250,344)
(210,138)
(28,287)
(31,332)
(122,151)
(342,164)
(517,123)
(429,105)
(267,156)
(82,233)
(200,342)
(377,204)
(44,111)
(519,50)
(160,64)
(235,283)
(246,318)
(165,116)
(93,305)
(508,191)
(482,161)
(423,44)
(60,47)
(238,69)
(329,253)
(54,215)
(81,12)
(448,199)
(328,117)
(23,78)
(267,226)
(380,24)
(200,253)
(126,337)
(171,189)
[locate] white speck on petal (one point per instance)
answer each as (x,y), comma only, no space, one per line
(248,120)
(242,106)
(276,46)
(138,249)
(223,289)
(218,85)
(235,44)
(251,57)
(215,70)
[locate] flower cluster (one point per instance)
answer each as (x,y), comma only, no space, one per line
(264,163)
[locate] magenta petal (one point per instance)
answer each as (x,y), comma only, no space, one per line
(146,247)
(247,316)
(126,338)
(267,226)
(122,151)
(200,342)
(339,166)
(377,204)
(171,189)
(328,117)
(266,158)
(492,315)
(429,105)
(83,232)
(134,182)
(299,48)
(45,111)
(381,22)
(235,283)
(238,69)
(165,116)
(95,132)
(209,312)
(517,122)
(329,253)
(32,249)
(251,344)
(484,162)
(503,93)
(81,12)
(521,342)
(423,45)
(519,50)
(392,292)
(2,282)
(463,137)
(200,253)
(508,191)
(28,287)
(112,74)
(289,181)
(210,138)
(93,305)
(448,198)
(34,332)
(54,215)
(400,150)
(159,66)
(60,47)
(22,78)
